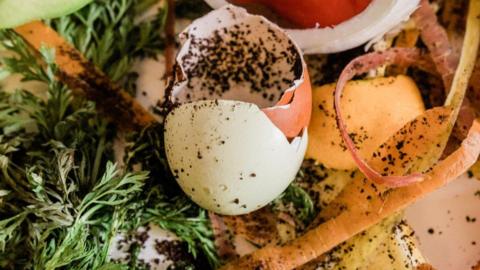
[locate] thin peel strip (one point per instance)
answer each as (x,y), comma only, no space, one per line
(367,212)
(467,59)
(360,65)
(454,99)
(436,39)
(79,74)
(463,111)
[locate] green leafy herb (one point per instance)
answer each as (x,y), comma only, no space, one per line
(165,205)
(107,33)
(59,190)
(297,202)
(62,200)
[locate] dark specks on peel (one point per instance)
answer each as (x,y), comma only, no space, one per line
(470,219)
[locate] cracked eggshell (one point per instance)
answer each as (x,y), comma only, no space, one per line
(241,97)
(230,54)
(228,156)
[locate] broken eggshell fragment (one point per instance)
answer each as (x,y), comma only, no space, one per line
(236,136)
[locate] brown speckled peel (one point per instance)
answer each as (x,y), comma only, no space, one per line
(405,57)
(360,65)
(362,214)
(81,75)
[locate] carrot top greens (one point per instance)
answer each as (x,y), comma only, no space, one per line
(62,199)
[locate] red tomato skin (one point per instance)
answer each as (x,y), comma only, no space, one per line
(309,13)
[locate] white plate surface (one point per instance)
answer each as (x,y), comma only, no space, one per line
(447,223)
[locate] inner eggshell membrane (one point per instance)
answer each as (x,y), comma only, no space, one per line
(241,57)
(237,133)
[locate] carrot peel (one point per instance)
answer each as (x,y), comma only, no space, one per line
(83,77)
(362,64)
(363,214)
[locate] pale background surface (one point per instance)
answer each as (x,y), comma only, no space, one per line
(455,243)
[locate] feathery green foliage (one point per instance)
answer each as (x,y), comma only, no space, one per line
(62,200)
(110,34)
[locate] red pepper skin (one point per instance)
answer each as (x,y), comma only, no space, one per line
(307,13)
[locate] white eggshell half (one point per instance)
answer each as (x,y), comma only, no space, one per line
(228,156)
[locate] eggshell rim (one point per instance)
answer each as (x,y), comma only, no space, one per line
(291,141)
(293,111)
